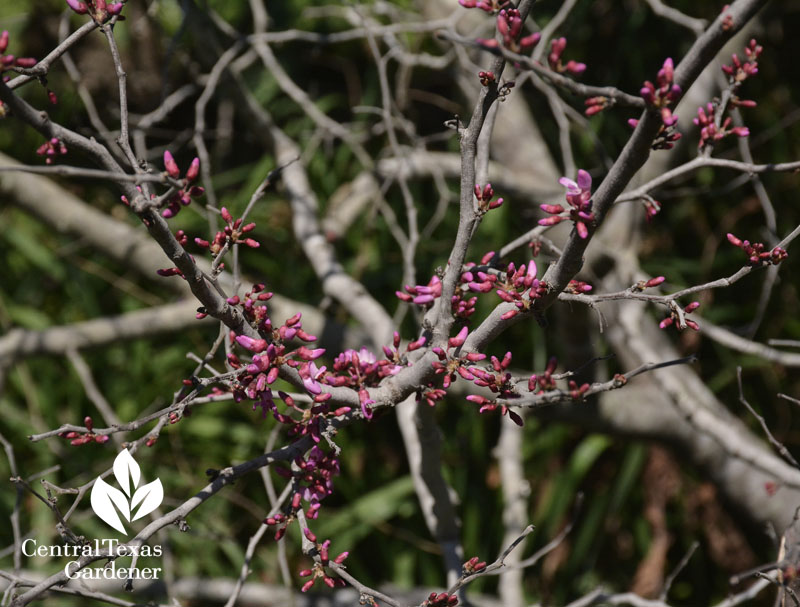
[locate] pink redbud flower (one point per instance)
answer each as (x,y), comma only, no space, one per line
(579,196)
(739,71)
(254,345)
(10,61)
(557,48)
(365,401)
(193,171)
(415,345)
(509,26)
(458,340)
(100,10)
(170,165)
(595,105)
(77,6)
(51,148)
(484,196)
(486,78)
(664,93)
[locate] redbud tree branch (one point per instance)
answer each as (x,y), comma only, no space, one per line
(43,65)
(637,149)
(617,96)
(417,371)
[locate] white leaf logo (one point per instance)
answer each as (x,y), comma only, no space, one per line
(125,469)
(150,495)
(108,503)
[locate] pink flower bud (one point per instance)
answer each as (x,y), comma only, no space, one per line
(168,272)
(254,345)
(550,221)
(575,67)
(668,69)
(654,282)
(194,170)
(170,165)
(307,586)
(465,374)
(312,354)
(553,209)
(733,240)
(414,345)
(530,41)
(78,7)
(458,340)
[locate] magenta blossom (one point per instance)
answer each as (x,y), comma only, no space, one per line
(663,93)
(579,197)
(739,71)
(183,197)
(99,10)
(557,48)
(489,6)
(421,294)
(8,62)
(709,132)
(363,364)
(311,374)
(51,149)
(509,26)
